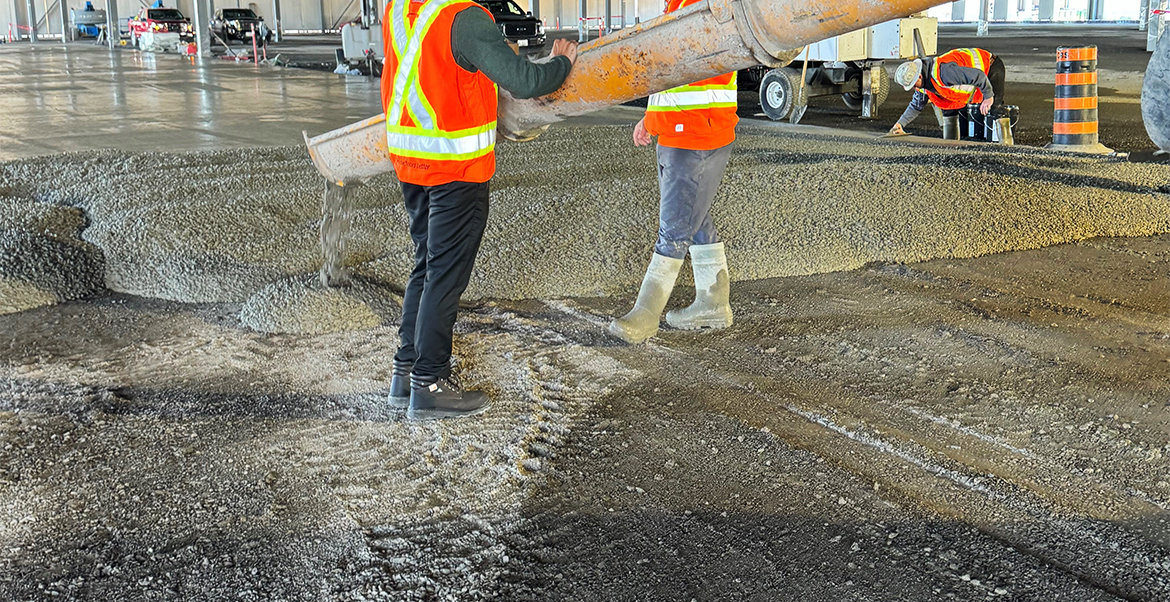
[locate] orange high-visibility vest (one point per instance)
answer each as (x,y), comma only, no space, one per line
(948,97)
(440,117)
(698,116)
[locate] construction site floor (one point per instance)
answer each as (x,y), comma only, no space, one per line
(946,379)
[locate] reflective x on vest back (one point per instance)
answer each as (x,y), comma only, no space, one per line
(425,139)
(965,57)
(692,97)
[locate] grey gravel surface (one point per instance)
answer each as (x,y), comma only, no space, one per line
(985,425)
(202,229)
(992,428)
(42,258)
(303,305)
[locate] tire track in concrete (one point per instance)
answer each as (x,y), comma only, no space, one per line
(1087,549)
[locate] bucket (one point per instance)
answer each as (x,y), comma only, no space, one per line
(973,125)
(950,127)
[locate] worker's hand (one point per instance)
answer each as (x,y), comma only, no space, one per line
(985,106)
(641,136)
(566,49)
(897,129)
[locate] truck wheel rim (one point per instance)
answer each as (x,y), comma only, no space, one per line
(775,94)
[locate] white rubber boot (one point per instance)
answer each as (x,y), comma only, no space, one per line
(642,321)
(712,306)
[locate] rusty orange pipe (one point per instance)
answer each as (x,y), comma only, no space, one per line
(694,43)
(700,41)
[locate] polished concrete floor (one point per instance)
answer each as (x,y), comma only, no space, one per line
(56,98)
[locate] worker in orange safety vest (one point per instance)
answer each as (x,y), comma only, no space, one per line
(950,82)
(444,59)
(695,126)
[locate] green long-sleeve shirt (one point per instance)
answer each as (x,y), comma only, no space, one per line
(478,45)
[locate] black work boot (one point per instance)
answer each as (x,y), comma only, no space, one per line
(438,399)
(399,396)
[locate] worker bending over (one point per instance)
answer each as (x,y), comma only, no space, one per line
(444,59)
(951,82)
(695,125)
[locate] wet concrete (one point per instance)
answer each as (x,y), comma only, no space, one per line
(989,425)
(575,224)
(990,428)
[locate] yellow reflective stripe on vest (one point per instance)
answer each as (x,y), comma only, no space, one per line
(976,59)
(405,80)
(425,140)
(692,97)
(449,146)
(961,89)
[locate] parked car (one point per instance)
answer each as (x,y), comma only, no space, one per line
(160,20)
(515,23)
(236,24)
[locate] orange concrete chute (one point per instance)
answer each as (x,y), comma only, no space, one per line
(691,44)
(694,43)
(353,153)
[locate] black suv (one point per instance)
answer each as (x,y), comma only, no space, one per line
(236,24)
(516,24)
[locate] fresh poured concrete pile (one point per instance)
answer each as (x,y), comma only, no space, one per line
(42,260)
(573,214)
(300,304)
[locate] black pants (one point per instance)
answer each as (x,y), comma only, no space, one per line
(995,75)
(446,226)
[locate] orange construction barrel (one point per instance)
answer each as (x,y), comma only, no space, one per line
(1074,123)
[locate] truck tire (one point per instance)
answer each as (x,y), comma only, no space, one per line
(884,89)
(853,82)
(778,92)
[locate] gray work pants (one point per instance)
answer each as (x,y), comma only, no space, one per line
(687,182)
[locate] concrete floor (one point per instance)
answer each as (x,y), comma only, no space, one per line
(219,103)
(64,98)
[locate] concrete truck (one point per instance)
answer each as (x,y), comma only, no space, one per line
(851,65)
(688,45)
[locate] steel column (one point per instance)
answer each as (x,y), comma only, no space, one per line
(608,12)
(959,10)
(984,17)
(66,34)
(1095,10)
(112,36)
(534,5)
(1048,9)
(31,15)
(582,27)
(277,32)
(999,9)
(201,22)
(1143,15)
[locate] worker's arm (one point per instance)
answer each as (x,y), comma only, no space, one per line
(917,104)
(478,45)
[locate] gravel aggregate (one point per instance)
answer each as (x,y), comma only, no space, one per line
(574,214)
(301,305)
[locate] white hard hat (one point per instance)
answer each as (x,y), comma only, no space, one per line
(907,73)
